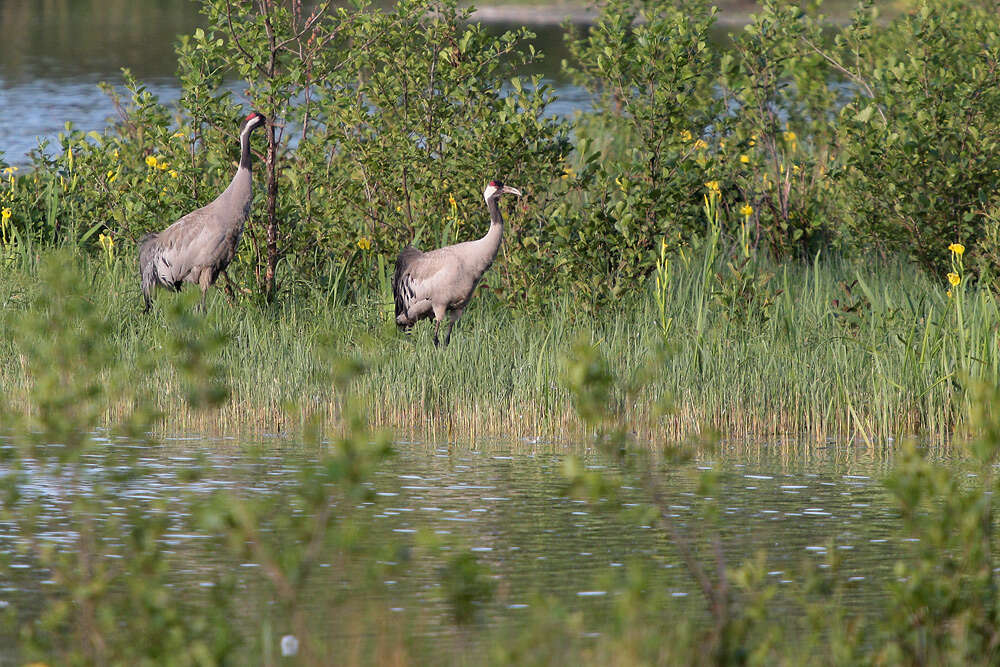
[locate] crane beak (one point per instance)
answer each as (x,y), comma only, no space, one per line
(511,191)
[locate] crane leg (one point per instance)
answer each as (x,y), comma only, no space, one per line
(204,281)
(229,287)
(439,314)
(455,316)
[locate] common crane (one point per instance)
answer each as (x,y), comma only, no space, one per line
(199,246)
(441,282)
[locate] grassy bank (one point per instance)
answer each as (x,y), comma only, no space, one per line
(807,352)
(810,354)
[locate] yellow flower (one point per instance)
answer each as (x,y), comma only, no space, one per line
(108,246)
(173,173)
(954,279)
(9,171)
(948,293)
(753,140)
(151,161)
(452,202)
(713,187)
(746,210)
(161,164)
(364,243)
(957,248)
(790,136)
(177,135)
(621,183)
(700,145)
(745,159)
(5,214)
(568,173)
(112,177)
(686,136)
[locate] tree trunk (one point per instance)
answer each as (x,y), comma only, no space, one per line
(272,216)
(267,8)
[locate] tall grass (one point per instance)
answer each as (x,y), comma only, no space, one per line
(824,350)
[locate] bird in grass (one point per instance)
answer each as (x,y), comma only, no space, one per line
(441,282)
(199,246)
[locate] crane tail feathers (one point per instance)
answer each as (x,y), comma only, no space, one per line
(401,291)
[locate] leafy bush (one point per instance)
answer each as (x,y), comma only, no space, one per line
(651,70)
(922,136)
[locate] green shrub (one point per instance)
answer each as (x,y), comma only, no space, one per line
(922,136)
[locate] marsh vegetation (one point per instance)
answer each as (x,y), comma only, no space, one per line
(776,262)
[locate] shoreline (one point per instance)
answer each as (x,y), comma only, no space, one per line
(730,14)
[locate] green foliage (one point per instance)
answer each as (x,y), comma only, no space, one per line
(922,140)
(778,139)
(651,68)
(65,343)
(112,575)
(467,586)
(386,122)
(944,602)
(393,121)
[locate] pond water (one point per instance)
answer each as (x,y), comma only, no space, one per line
(507,504)
(54,54)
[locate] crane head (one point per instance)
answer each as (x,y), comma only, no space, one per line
(496,188)
(254,119)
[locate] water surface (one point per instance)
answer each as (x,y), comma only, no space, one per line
(507,504)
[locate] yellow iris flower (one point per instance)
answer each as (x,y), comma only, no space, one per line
(954,279)
(957,248)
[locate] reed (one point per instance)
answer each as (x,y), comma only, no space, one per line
(827,350)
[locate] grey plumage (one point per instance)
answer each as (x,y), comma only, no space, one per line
(441,282)
(199,246)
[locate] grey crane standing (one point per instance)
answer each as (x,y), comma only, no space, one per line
(441,282)
(199,246)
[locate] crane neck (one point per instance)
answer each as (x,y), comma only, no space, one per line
(246,155)
(496,220)
(491,242)
(239,195)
